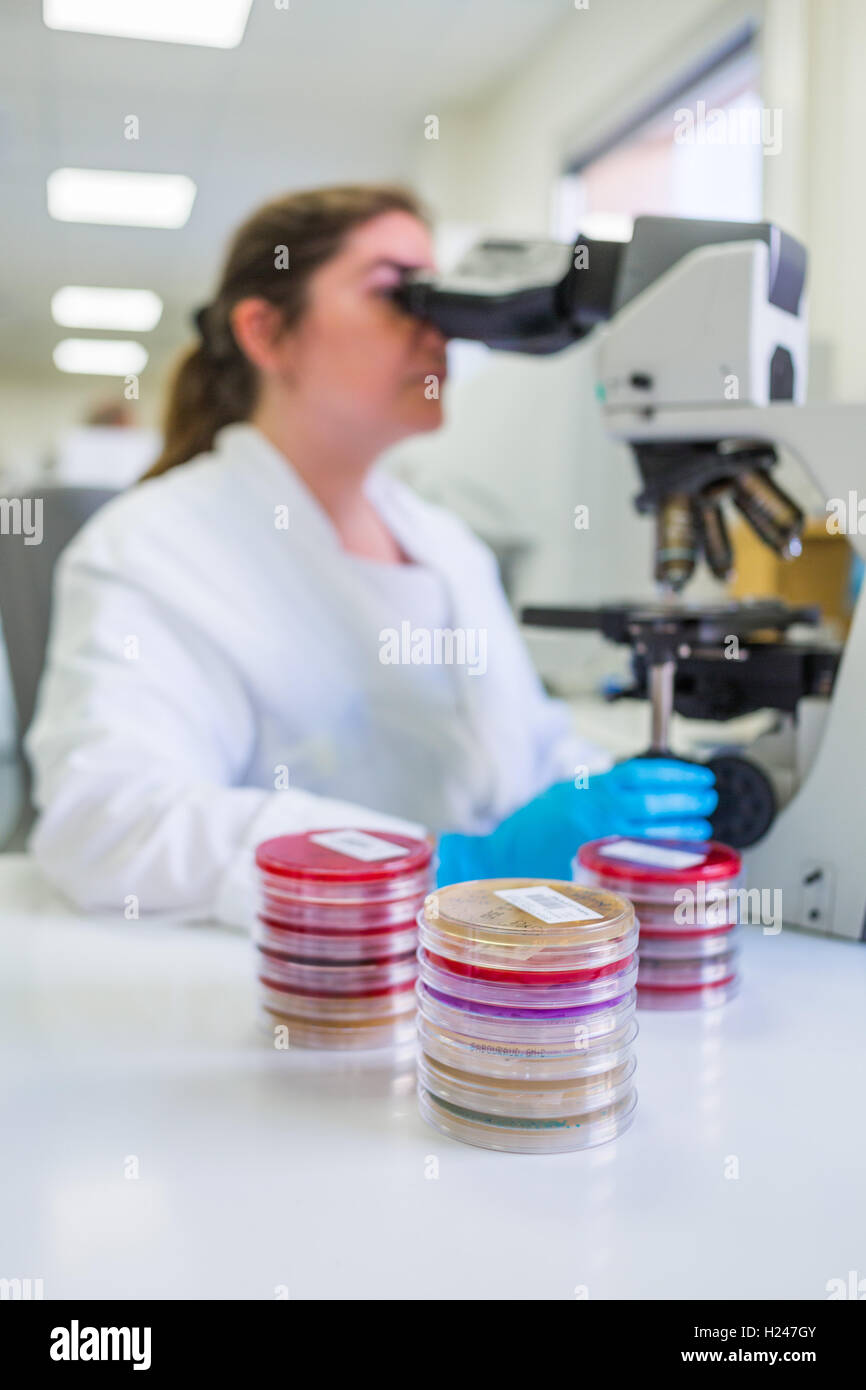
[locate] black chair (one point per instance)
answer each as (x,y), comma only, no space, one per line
(26,578)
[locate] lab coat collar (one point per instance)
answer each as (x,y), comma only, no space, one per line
(272,475)
(260,469)
(266,471)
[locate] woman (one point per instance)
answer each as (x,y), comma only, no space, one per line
(255,640)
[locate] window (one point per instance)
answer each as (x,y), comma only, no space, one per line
(697,152)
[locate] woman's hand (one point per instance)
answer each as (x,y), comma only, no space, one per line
(653,798)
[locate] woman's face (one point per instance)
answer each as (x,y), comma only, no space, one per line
(356,359)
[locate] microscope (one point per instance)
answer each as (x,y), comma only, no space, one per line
(700,336)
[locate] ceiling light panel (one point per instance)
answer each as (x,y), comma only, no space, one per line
(100,356)
(211,23)
(120,197)
(92,306)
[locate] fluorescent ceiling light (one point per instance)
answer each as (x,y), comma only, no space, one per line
(120,198)
(100,356)
(85,306)
(212,23)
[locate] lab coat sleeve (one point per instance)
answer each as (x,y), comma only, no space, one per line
(141,735)
(562,753)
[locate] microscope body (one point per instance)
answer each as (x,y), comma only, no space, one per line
(710,342)
(815,849)
(705,334)
(701,341)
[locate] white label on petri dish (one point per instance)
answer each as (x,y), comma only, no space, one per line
(357,844)
(548,905)
(657,855)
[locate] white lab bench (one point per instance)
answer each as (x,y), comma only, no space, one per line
(133,1046)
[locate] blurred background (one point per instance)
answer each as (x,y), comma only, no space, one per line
(525,117)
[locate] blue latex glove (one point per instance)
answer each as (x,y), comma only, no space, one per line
(655,798)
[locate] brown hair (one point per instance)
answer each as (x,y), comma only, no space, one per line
(214,383)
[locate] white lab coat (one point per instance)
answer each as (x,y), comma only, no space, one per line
(214,678)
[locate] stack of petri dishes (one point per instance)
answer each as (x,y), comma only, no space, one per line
(336,935)
(686,899)
(527,1014)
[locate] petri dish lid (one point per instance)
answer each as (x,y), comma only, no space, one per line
(701,997)
(344,856)
(343,977)
(703,919)
(621,860)
(334,946)
(469,992)
(519,1098)
(686,974)
(508,1134)
(340,919)
(523,917)
(529,1061)
(582,1029)
(514,966)
(678,946)
(397,1033)
(338,1009)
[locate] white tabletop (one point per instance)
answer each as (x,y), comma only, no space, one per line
(264,1172)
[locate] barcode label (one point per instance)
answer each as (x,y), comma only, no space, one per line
(547,905)
(659,856)
(357,844)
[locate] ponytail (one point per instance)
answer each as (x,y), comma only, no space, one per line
(214,383)
(205,395)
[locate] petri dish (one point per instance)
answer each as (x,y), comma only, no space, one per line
(649,871)
(356,918)
(519,999)
(596,962)
(306,1033)
(686,974)
(356,978)
(332,947)
(665,924)
(337,1008)
(344,866)
(532,1033)
(704,997)
(696,946)
(519,1059)
(694,916)
(521,1099)
(527,925)
(563,1134)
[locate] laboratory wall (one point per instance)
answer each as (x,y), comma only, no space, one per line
(37,413)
